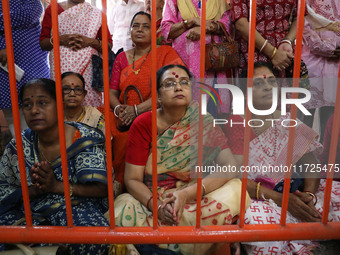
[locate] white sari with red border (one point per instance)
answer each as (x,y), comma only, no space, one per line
(86,20)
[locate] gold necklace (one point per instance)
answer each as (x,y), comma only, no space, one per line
(41,152)
(133,63)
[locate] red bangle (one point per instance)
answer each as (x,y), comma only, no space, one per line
(147,204)
(313,195)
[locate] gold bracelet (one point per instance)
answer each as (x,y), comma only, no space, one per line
(71,190)
(203,190)
(258,190)
(274,53)
(313,195)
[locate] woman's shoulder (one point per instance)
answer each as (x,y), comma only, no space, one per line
(144,120)
(86,131)
(122,56)
(165,48)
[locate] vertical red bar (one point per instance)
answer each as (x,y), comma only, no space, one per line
(291,140)
(200,127)
(332,154)
(250,75)
(154,112)
(15,110)
(106,76)
(61,126)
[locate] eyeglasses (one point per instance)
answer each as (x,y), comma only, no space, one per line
(77,91)
(170,84)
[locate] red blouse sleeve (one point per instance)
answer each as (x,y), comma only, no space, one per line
(140,136)
(120,63)
(235,134)
(46,24)
(109,36)
(239,9)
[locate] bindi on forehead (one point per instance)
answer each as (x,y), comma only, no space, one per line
(264,76)
(176,75)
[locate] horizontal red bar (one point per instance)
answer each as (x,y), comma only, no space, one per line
(208,234)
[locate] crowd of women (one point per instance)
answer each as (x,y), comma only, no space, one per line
(178,61)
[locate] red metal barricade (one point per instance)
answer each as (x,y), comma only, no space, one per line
(155,234)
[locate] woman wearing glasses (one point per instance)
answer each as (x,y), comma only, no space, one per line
(74,93)
(176,154)
(133,67)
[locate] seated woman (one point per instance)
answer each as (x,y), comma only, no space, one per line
(176,154)
(86,167)
(268,147)
(133,67)
(74,93)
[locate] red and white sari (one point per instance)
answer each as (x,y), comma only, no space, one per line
(86,20)
(270,149)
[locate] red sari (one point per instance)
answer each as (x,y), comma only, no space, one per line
(122,76)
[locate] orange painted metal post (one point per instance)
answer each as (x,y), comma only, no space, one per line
(15,110)
(106,76)
(332,154)
(250,75)
(61,126)
(154,112)
(291,139)
(200,123)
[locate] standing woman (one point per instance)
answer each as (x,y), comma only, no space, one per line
(321,53)
(25,21)
(86,162)
(133,67)
(80,36)
(274,36)
(181,25)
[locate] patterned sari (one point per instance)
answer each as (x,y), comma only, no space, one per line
(82,19)
(123,76)
(86,163)
(175,149)
(262,212)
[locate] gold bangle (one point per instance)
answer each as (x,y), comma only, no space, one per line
(258,190)
(313,195)
(274,53)
(203,190)
(71,190)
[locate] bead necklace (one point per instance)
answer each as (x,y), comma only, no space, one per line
(133,63)
(276,134)
(41,152)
